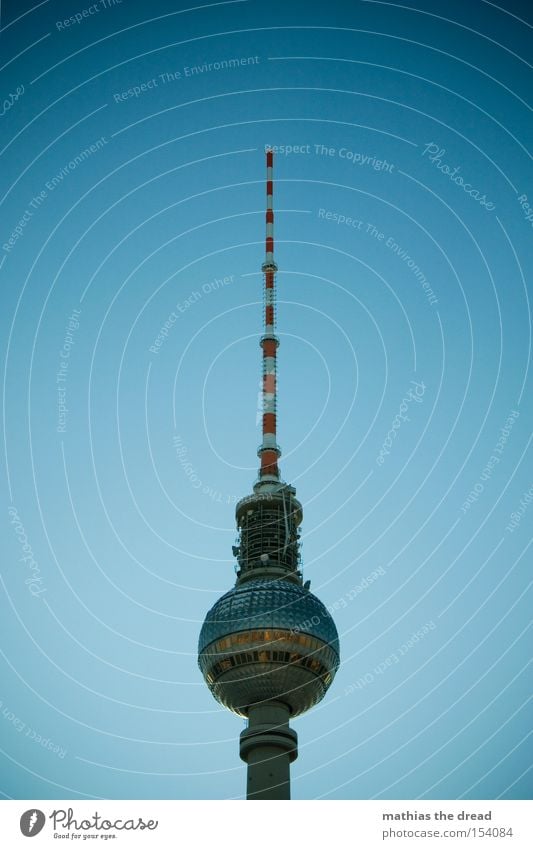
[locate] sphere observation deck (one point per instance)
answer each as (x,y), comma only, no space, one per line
(268,640)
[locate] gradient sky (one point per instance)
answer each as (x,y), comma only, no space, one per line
(132,187)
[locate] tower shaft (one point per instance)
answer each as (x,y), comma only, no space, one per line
(268,746)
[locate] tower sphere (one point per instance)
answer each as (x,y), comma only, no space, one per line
(268,640)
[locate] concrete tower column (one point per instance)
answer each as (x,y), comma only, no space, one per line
(268,746)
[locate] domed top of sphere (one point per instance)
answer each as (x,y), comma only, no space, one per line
(268,604)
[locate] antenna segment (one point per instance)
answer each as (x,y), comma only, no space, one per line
(269,451)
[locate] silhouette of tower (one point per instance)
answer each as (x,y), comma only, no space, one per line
(269,649)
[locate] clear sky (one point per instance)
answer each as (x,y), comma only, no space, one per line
(132,235)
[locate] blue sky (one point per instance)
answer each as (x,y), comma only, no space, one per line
(132,188)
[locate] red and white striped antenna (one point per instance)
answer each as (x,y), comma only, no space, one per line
(269,451)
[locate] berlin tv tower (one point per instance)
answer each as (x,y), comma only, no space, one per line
(268,649)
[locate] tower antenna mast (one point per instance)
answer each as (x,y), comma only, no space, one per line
(269,451)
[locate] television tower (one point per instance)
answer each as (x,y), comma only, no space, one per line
(268,649)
